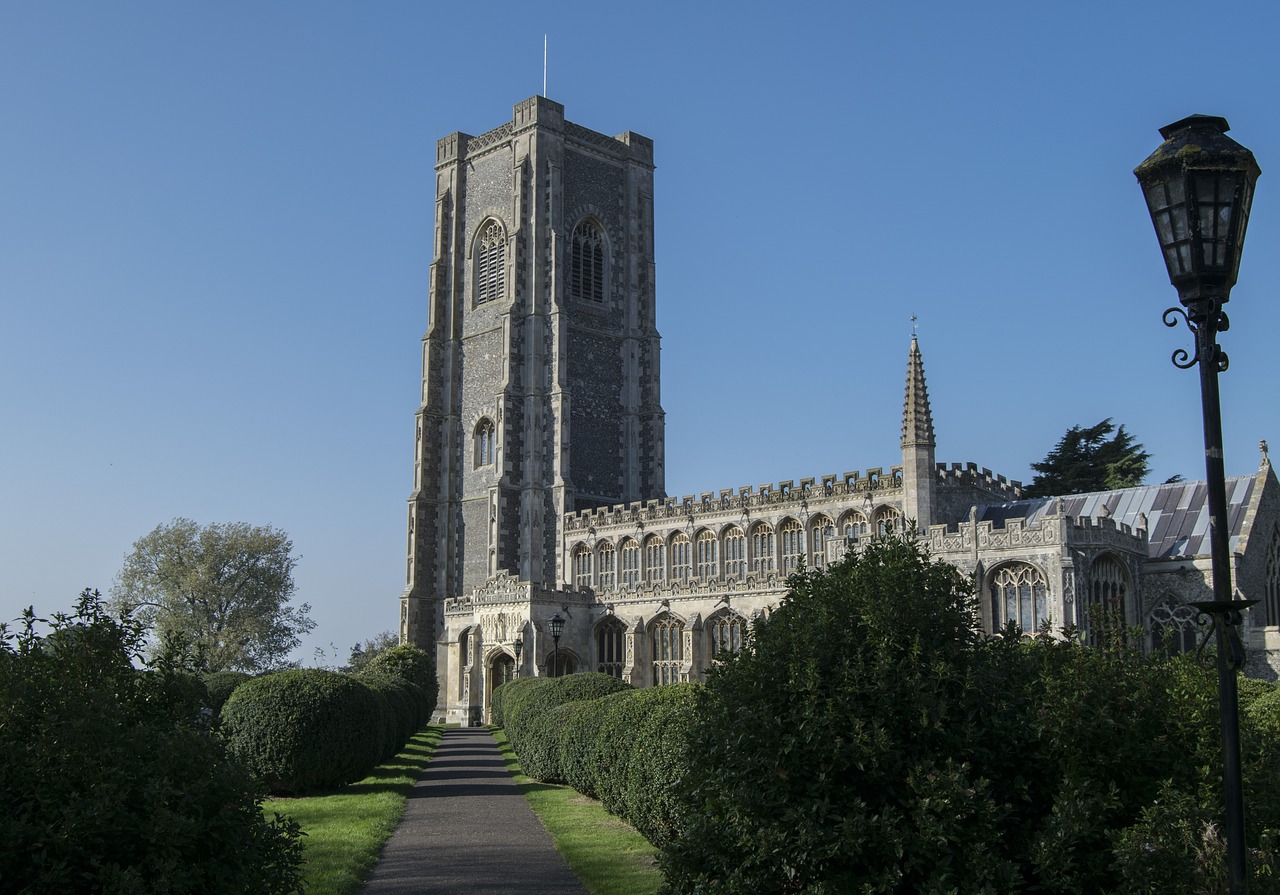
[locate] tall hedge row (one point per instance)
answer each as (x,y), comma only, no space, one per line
(605,739)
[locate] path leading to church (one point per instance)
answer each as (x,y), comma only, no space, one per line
(468,831)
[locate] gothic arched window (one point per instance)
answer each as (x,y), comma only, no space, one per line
(630,562)
(582,567)
(680,557)
(653,565)
(611,646)
(586,267)
(724,633)
(791,534)
(1105,601)
(1173,628)
(735,552)
(820,529)
(491,262)
(708,555)
(888,520)
(853,526)
(606,567)
(666,638)
(762,548)
(1019,594)
(485,443)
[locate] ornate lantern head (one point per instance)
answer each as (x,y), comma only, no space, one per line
(1199,187)
(557,626)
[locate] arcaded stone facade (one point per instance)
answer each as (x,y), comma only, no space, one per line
(538,473)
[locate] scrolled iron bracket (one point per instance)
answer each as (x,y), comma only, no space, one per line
(1205,322)
(1226,617)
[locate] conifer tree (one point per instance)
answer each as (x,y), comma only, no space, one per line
(1090,459)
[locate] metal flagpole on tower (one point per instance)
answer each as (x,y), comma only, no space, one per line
(544,65)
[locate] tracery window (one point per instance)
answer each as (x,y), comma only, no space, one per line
(708,555)
(853,526)
(1271,583)
(611,646)
(791,533)
(586,268)
(653,552)
(1105,601)
(735,552)
(724,633)
(582,567)
(888,520)
(680,557)
(1173,628)
(820,529)
(666,635)
(484,442)
(606,566)
(630,551)
(491,263)
(1019,594)
(762,559)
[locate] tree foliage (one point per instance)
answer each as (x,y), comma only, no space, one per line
(110,778)
(1101,457)
(224,589)
(868,738)
(363,653)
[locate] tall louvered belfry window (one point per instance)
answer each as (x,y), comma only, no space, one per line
(491,263)
(586,274)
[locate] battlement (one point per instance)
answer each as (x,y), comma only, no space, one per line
(971,474)
(872,482)
(1051,530)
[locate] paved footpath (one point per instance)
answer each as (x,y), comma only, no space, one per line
(468,831)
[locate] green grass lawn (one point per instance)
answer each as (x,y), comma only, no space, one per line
(346,828)
(608,855)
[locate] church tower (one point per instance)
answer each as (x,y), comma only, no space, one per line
(919,479)
(540,391)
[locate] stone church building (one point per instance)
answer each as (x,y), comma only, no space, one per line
(538,463)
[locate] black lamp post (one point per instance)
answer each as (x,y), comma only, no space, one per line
(518,646)
(1199,188)
(557,628)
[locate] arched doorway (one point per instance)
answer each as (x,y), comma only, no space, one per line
(502,668)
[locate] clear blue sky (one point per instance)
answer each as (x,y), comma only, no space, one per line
(215,232)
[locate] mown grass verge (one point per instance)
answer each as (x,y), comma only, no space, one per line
(346,828)
(608,855)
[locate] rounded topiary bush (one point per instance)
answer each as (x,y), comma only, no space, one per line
(413,664)
(514,694)
(220,685)
(658,744)
(401,702)
(303,730)
(584,752)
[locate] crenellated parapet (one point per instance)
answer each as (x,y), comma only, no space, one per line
(970,475)
(505,588)
(875,485)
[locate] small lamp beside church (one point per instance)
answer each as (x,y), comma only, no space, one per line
(1199,188)
(518,646)
(557,628)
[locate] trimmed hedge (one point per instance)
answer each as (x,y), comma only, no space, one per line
(220,685)
(534,729)
(415,665)
(305,729)
(403,702)
(607,740)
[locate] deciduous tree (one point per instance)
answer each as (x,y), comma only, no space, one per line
(222,588)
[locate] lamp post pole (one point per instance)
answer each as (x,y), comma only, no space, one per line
(518,646)
(1199,189)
